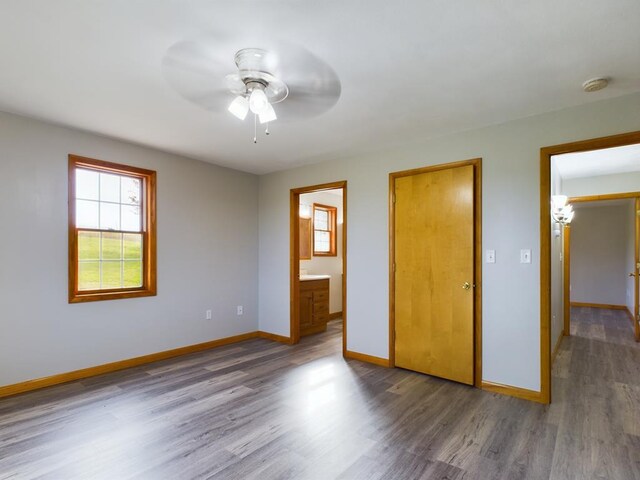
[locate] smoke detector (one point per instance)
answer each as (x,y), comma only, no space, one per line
(595,84)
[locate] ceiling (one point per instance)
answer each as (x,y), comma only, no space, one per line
(607,161)
(409,72)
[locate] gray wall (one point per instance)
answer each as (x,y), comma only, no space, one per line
(511,169)
(207,256)
(630,255)
(599,254)
(557,266)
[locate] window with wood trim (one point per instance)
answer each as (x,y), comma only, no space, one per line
(112,231)
(324,230)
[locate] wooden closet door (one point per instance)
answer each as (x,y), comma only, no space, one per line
(434,273)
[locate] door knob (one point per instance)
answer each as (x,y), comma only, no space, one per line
(466,285)
(632,274)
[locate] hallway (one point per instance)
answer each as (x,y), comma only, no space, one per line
(596,397)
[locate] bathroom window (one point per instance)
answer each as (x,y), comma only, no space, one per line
(324,230)
(111,231)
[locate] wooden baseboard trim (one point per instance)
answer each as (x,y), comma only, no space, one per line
(35,384)
(557,347)
(333,316)
(630,315)
(363,357)
(598,305)
(517,392)
(274,337)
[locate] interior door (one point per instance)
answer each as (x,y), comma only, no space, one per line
(434,272)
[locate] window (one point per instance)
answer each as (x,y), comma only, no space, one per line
(112,244)
(324,230)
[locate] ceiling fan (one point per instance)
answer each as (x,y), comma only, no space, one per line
(299,84)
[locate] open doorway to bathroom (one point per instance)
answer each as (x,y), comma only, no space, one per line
(318,224)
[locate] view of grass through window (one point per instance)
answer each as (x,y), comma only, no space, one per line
(108,220)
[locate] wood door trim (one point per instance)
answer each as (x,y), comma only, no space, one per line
(545,240)
(294,258)
(477,169)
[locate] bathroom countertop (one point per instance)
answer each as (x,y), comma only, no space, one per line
(305,278)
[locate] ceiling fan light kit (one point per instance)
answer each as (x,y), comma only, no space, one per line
(256,88)
(198,69)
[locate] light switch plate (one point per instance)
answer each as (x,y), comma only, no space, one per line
(525,256)
(490,256)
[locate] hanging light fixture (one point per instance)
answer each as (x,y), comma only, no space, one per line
(561,211)
(256,89)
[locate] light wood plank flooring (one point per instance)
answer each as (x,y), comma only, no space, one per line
(262,410)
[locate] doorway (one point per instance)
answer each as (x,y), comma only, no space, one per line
(581,153)
(318,259)
(604,260)
(435,271)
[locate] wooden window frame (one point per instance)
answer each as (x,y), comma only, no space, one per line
(332,211)
(148,186)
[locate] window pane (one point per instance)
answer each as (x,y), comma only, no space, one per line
(132,246)
(109,216)
(111,246)
(88,246)
(130,191)
(86,214)
(321,220)
(87,184)
(109,188)
(111,275)
(88,276)
(130,218)
(132,273)
(321,241)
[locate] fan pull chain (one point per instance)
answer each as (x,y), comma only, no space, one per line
(266,131)
(255,129)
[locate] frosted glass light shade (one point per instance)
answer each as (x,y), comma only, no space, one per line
(269,114)
(258,102)
(305,211)
(559,201)
(239,107)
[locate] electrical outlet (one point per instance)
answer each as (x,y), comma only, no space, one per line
(491,256)
(239,310)
(208,314)
(525,256)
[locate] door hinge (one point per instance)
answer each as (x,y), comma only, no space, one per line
(393,198)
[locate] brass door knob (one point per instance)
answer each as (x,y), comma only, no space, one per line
(466,286)
(632,274)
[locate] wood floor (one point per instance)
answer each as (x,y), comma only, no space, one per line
(262,410)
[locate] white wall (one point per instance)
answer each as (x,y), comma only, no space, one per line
(602,184)
(630,255)
(207,256)
(598,255)
(557,264)
(511,217)
(327,265)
